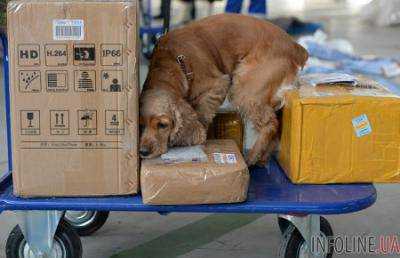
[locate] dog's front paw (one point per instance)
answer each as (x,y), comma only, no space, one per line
(263,161)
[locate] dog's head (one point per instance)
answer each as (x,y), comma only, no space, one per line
(167,121)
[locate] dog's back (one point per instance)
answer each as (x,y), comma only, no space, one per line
(228,38)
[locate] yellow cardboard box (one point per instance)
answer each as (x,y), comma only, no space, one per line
(341,134)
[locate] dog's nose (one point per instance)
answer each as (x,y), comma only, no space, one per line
(144,152)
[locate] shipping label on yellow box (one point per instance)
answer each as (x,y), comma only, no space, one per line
(341,135)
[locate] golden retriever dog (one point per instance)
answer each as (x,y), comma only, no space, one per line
(194,68)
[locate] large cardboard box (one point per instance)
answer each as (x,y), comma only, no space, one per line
(224,178)
(341,134)
(74,97)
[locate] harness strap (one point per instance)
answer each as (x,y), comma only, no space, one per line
(180,59)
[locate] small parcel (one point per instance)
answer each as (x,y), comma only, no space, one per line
(218,175)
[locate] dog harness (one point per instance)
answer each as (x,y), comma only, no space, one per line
(180,59)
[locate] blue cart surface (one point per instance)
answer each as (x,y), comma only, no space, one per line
(298,207)
(270,191)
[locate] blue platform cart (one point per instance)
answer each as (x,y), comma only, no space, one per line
(43,232)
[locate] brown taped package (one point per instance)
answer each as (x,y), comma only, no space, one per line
(74,97)
(224,178)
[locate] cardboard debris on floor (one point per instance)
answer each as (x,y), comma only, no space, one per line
(74,97)
(224,178)
(341,134)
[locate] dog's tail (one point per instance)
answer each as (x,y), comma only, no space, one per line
(300,55)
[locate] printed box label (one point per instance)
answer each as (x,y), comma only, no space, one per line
(30,122)
(56,81)
(68,29)
(56,54)
(87,122)
(111,81)
(59,122)
(115,124)
(84,54)
(111,54)
(30,81)
(85,80)
(28,55)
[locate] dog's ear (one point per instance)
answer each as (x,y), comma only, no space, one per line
(187,128)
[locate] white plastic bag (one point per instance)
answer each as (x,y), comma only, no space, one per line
(382,12)
(185,154)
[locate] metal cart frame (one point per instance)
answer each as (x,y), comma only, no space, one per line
(270,192)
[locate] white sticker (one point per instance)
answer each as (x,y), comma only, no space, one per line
(361,125)
(225,158)
(68,30)
(231,158)
(219,158)
(391,70)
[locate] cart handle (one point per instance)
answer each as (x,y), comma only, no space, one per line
(4,42)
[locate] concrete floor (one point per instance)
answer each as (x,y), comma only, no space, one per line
(208,235)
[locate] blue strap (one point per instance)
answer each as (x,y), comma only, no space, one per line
(256,6)
(234,6)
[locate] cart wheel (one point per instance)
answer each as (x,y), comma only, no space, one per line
(86,223)
(293,245)
(283,224)
(67,243)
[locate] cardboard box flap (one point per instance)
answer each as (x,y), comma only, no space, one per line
(310,91)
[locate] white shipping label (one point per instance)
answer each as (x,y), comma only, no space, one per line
(231,158)
(391,70)
(219,158)
(68,30)
(361,125)
(224,158)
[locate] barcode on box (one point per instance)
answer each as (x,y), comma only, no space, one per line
(68,30)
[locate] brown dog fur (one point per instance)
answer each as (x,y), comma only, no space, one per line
(228,55)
